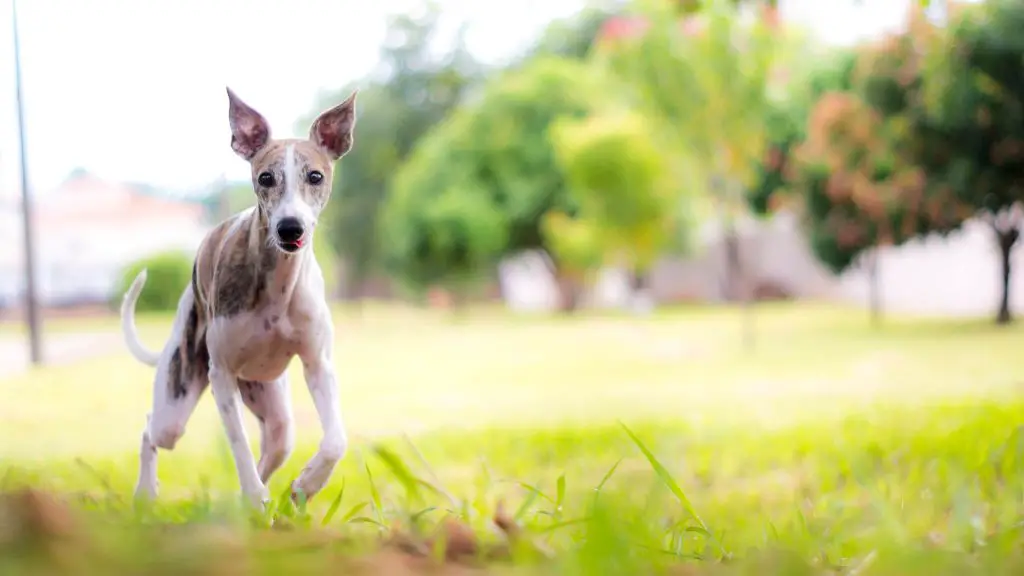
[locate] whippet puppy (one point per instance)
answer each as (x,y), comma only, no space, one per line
(256,300)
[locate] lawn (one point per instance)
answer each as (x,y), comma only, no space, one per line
(831,447)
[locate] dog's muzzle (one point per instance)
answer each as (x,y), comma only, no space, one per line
(290,234)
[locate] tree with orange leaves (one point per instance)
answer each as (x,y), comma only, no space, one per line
(860,187)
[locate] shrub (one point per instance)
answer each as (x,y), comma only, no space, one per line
(167,275)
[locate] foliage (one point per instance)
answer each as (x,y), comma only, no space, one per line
(619,179)
(495,157)
(575,243)
(960,89)
(440,226)
(856,168)
(786,126)
(571,37)
(167,273)
(704,80)
(412,90)
(859,192)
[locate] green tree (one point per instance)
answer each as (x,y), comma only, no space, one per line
(413,89)
(619,179)
(495,155)
(571,37)
(706,81)
(973,145)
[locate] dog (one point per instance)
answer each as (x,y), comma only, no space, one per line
(256,300)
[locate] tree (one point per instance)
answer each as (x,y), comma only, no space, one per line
(706,81)
(440,226)
(974,115)
(855,168)
(411,91)
(571,37)
(619,179)
(496,156)
(861,188)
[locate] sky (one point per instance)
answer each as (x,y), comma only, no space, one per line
(135,89)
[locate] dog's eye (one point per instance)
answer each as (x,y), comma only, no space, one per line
(266,179)
(315,177)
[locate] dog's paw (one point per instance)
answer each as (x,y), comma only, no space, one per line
(299,497)
(146,492)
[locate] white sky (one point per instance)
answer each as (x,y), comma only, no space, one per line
(134,89)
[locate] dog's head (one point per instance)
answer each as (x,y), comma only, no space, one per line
(292,178)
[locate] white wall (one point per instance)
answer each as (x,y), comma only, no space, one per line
(957,276)
(84,262)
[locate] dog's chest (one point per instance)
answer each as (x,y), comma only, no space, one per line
(260,345)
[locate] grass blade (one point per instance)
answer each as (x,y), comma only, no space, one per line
(335,504)
(401,472)
(375,495)
(536,491)
(352,512)
(435,483)
(667,479)
(607,476)
(527,502)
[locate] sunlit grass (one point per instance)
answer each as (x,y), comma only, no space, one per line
(843,446)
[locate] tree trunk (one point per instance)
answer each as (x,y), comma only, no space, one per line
(640,298)
(733,271)
(1006,238)
(874,288)
(737,285)
(568,291)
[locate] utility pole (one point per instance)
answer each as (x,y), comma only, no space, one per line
(31,302)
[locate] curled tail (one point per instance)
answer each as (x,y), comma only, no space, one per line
(131,335)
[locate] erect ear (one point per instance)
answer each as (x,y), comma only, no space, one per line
(249,130)
(332,130)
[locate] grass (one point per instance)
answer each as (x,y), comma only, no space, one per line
(612,444)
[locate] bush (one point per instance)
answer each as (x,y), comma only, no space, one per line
(167,275)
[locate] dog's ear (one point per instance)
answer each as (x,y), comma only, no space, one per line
(332,130)
(249,130)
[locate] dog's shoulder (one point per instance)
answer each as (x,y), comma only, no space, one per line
(229,266)
(219,244)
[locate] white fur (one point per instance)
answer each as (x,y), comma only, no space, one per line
(292,204)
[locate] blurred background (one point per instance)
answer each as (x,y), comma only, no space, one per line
(796,165)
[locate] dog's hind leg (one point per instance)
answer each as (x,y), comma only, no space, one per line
(182,375)
(174,401)
(271,404)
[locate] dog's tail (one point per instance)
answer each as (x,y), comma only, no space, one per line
(131,334)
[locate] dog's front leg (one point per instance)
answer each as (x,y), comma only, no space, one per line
(323,387)
(226,394)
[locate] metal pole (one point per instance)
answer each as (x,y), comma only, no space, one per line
(31,302)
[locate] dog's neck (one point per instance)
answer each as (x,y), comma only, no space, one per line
(280,269)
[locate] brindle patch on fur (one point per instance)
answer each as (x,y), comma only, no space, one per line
(242,281)
(176,376)
(197,355)
(249,389)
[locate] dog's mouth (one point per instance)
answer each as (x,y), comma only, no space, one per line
(293,246)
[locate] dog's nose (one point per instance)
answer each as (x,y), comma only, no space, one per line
(289,229)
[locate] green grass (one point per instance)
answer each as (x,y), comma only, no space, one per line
(620,445)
